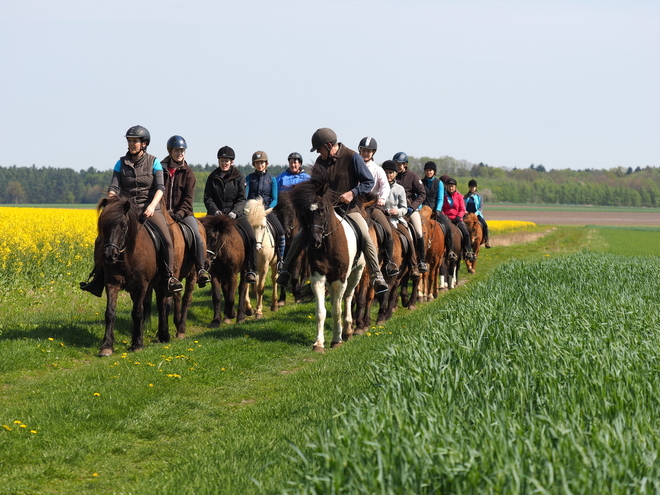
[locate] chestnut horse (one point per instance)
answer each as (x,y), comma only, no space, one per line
(227,261)
(434,239)
(266,256)
(476,237)
(130,262)
(334,259)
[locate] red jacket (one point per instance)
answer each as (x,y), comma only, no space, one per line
(454,205)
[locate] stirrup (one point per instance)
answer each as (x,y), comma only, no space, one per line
(391,269)
(174,286)
(488,245)
(380,285)
(284,278)
(470,256)
(452,256)
(423,267)
(250,277)
(280,266)
(203,277)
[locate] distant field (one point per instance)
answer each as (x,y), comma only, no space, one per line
(574,215)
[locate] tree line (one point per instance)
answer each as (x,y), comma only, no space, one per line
(613,187)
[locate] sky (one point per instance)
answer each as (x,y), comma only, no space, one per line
(566,84)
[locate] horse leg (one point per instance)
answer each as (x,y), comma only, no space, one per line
(336,294)
(248,302)
(185,307)
(242,294)
(413,294)
(273,278)
(137,342)
(229,293)
(282,300)
(110,314)
(318,288)
(215,295)
(259,288)
(164,306)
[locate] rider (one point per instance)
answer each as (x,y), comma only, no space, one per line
(348,176)
(138,176)
(261,184)
(396,205)
(179,196)
(474,204)
(224,194)
(415,195)
(367,149)
(454,208)
(293,175)
(435,194)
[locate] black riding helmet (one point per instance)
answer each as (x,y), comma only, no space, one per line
(226,152)
(322,136)
(472,183)
(137,131)
(390,165)
(431,165)
(451,182)
(368,143)
(176,142)
(400,157)
(295,156)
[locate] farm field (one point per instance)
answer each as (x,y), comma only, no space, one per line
(537,375)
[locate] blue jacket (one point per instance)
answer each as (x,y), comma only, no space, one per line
(286,180)
(435,192)
(473,204)
(261,184)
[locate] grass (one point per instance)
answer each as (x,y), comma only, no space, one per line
(237,409)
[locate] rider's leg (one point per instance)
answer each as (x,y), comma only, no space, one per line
(370,253)
(97,283)
(295,247)
(391,268)
(203,276)
(412,256)
(449,237)
(251,251)
(280,238)
(158,221)
(484,227)
(416,221)
(467,245)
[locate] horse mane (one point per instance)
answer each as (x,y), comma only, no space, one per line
(115,210)
(304,194)
(218,223)
(255,211)
(470,220)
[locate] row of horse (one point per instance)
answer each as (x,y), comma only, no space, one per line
(332,262)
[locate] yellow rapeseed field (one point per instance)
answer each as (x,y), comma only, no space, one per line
(50,243)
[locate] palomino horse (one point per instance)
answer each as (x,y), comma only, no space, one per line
(266,256)
(476,237)
(333,256)
(434,239)
(130,262)
(224,240)
(299,268)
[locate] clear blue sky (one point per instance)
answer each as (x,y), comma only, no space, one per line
(567,84)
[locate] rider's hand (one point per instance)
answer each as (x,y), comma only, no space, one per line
(176,217)
(381,202)
(347,197)
(232,215)
(410,211)
(149,212)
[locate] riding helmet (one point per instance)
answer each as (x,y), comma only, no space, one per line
(444,178)
(472,183)
(176,142)
(451,182)
(226,152)
(390,165)
(259,156)
(295,156)
(400,157)
(137,131)
(368,143)
(322,136)
(430,165)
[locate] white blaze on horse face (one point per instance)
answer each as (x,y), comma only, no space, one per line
(313,207)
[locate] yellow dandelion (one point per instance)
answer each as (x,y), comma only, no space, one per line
(33,432)
(23,426)
(95,474)
(50,338)
(17,422)
(151,384)
(96,394)
(6,427)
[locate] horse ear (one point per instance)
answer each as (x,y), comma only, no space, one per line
(268,211)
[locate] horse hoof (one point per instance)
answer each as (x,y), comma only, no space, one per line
(105,352)
(135,348)
(248,312)
(274,308)
(258,316)
(345,336)
(412,307)
(215,324)
(318,348)
(335,345)
(180,335)
(281,303)
(380,322)
(359,331)
(227,321)
(239,320)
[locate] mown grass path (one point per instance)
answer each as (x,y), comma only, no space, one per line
(219,412)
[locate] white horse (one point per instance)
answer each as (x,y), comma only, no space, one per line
(266,255)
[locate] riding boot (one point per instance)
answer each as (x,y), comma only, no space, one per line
(281,247)
(391,268)
(96,284)
(173,284)
(295,247)
(423,267)
(250,274)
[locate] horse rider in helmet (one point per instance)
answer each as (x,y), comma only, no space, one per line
(415,195)
(474,204)
(367,148)
(292,175)
(435,196)
(224,194)
(347,176)
(454,208)
(138,176)
(179,196)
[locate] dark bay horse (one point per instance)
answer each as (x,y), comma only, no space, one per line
(476,237)
(228,260)
(130,263)
(334,260)
(299,268)
(449,275)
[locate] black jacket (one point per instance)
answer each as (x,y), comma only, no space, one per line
(225,195)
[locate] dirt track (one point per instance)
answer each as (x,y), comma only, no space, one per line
(564,217)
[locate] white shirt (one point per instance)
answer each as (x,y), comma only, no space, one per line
(381,185)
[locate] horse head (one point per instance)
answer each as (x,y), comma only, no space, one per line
(256,215)
(117,227)
(313,210)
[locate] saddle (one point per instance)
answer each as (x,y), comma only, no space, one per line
(356,230)
(405,245)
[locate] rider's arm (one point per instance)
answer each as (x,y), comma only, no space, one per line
(239,200)
(364,177)
(273,194)
(209,192)
(113,190)
(441,196)
(419,192)
(185,206)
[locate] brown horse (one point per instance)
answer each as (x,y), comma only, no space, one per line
(476,237)
(449,275)
(299,268)
(228,260)
(333,257)
(130,262)
(434,240)
(188,270)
